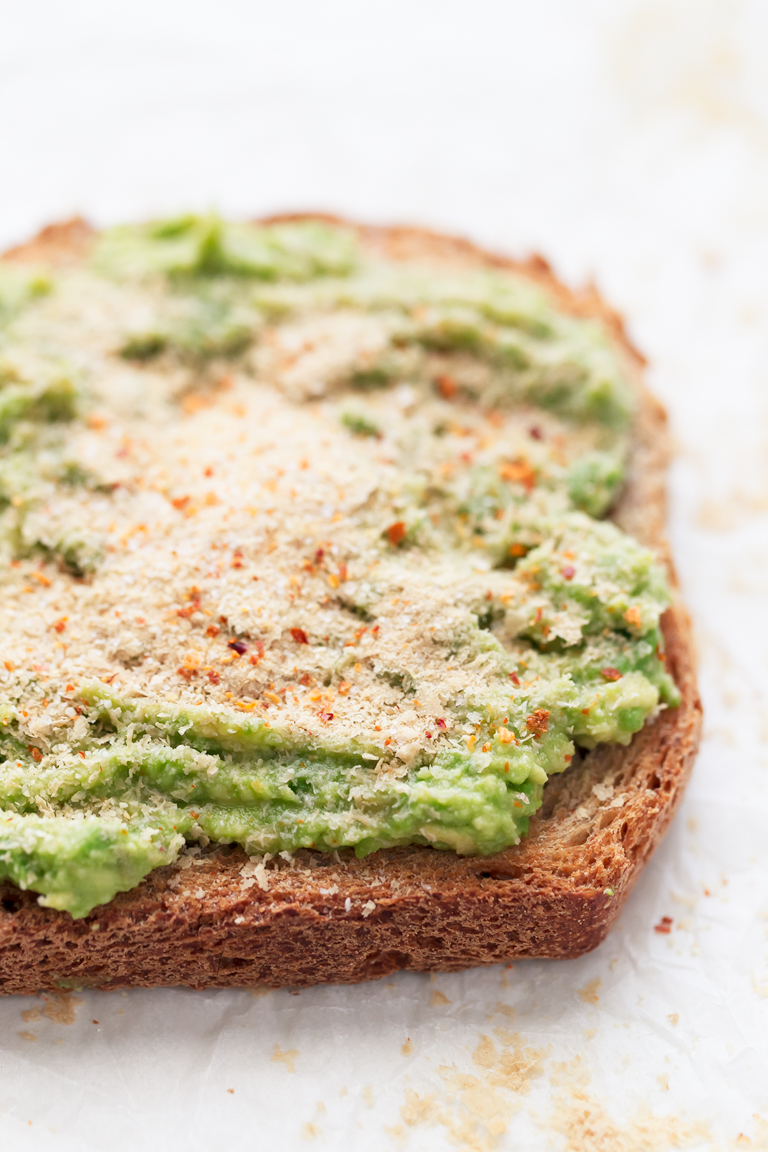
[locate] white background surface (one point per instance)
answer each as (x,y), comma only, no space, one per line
(627,141)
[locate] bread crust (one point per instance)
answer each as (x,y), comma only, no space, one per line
(336,919)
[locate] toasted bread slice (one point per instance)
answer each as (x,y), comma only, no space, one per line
(335,918)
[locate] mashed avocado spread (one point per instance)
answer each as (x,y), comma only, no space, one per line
(301,546)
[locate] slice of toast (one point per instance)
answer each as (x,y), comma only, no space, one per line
(333,918)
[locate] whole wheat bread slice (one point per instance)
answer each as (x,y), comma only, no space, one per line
(338,919)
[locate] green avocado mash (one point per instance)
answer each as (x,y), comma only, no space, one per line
(302,547)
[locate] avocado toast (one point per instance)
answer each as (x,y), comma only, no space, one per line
(321,656)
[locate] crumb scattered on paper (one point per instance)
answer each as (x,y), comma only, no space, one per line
(62,1007)
(589,992)
(288,1058)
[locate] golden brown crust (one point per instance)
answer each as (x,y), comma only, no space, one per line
(344,920)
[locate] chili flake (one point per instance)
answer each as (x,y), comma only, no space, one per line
(610,673)
(633,617)
(396,533)
(299,635)
(446,386)
(538,721)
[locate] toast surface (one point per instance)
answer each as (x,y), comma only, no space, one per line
(209,921)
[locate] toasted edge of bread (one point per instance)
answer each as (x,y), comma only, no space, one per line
(335,919)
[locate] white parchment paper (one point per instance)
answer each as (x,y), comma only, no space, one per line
(629,142)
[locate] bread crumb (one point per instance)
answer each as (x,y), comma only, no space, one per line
(61,1008)
(673,1018)
(309,1130)
(407,1048)
(368,1095)
(437,999)
(30,1015)
(589,992)
(288,1058)
(581,1119)
(28,1036)
(368,907)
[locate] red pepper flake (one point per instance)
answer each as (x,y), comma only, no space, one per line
(41,578)
(8,665)
(213,676)
(238,646)
(446,386)
(388,741)
(515,679)
(69,687)
(208,471)
(223,620)
(180,502)
(396,533)
(661,655)
(441,723)
(517,549)
(632,616)
(664,926)
(538,721)
(61,624)
(375,630)
(569,572)
(237,559)
(519,472)
(299,635)
(36,753)
(307,681)
(539,613)
(212,630)
(344,687)
(319,555)
(326,716)
(187,671)
(610,673)
(535,432)
(428,735)
(189,610)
